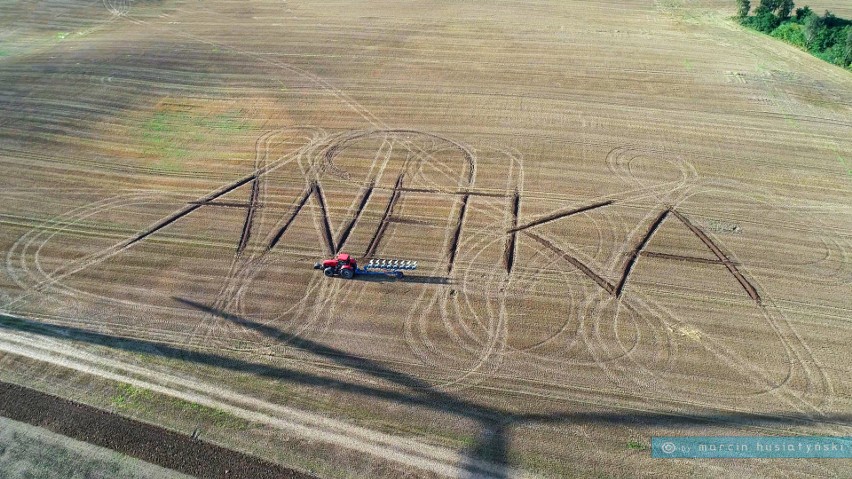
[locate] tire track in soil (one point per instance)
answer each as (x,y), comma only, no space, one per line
(530,283)
(611,359)
(747,286)
(511,247)
(252,205)
(410,221)
(187,210)
(800,355)
(226,204)
(329,241)
(231,283)
(42,280)
(677,257)
(616,370)
(451,306)
(488,349)
(491,349)
(454,243)
(457,193)
(589,332)
(323,303)
(301,204)
(574,261)
(634,256)
(438,356)
(240,270)
(425,349)
(234,282)
(495,288)
(380,231)
(336,148)
(55,226)
(323,298)
(470,320)
(715,347)
(344,142)
(559,215)
(469,157)
(724,355)
(365,198)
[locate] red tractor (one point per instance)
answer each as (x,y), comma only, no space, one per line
(343,265)
(346,267)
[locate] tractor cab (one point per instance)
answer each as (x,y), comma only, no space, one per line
(343,264)
(344,259)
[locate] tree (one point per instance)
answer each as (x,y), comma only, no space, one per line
(830,20)
(768,6)
(791,32)
(813,30)
(762,21)
(743,7)
(803,13)
(847,50)
(784,9)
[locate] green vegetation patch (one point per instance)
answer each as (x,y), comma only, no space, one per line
(216,417)
(827,37)
(846,166)
(175,136)
(636,445)
(129,398)
(129,395)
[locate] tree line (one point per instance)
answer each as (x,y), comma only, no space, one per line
(828,37)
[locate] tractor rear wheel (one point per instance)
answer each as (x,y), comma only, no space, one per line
(328,271)
(347,273)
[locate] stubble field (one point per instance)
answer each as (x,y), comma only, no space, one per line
(631,219)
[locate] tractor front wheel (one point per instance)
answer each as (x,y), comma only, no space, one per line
(347,273)
(328,271)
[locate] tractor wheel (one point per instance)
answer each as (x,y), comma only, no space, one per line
(347,273)
(328,271)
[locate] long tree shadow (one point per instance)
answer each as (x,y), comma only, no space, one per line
(487,457)
(490,445)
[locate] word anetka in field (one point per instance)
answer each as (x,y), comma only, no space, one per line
(456,184)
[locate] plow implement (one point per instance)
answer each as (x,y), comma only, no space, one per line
(389,267)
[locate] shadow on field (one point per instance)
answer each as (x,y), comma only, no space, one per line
(487,457)
(380,278)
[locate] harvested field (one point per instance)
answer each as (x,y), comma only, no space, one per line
(631,219)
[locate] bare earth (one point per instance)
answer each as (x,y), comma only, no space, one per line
(39,453)
(631,219)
